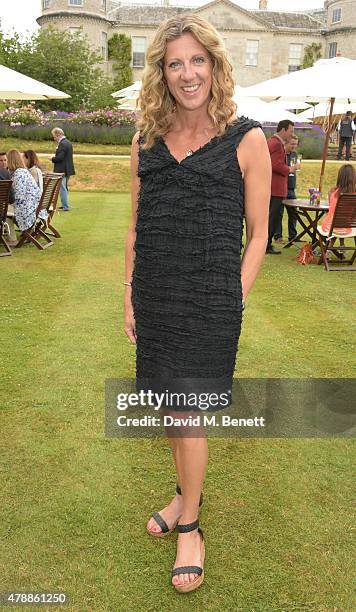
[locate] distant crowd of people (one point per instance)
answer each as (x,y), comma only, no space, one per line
(25,172)
(283,151)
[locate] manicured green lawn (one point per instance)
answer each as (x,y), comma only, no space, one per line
(47,146)
(277,513)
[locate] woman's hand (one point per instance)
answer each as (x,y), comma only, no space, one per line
(129,319)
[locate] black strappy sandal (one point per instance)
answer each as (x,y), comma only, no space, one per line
(191,569)
(162,523)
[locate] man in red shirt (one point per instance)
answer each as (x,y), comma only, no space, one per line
(280,172)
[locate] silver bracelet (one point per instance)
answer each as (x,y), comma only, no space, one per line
(129,284)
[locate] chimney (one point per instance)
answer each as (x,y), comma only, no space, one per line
(263,5)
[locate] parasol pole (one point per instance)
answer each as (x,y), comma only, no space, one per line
(326,145)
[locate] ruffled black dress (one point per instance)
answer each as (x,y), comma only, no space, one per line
(186,284)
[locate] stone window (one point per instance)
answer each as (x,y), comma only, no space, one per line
(138,51)
(295,57)
(103,5)
(251,53)
(45,4)
(332,49)
(336,15)
(75,2)
(104,45)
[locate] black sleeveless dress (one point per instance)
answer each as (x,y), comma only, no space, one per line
(186,284)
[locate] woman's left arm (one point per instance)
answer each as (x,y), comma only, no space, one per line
(255,163)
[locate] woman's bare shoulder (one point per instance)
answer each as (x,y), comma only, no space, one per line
(135,138)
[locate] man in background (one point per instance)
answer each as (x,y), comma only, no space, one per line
(63,162)
(292,159)
(346,129)
(4,173)
(280,172)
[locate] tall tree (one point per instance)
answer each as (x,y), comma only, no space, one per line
(60,59)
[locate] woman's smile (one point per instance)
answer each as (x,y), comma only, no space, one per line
(191,90)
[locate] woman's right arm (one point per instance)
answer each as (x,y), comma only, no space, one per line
(129,319)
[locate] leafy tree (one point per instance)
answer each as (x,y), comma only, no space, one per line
(119,46)
(312,53)
(64,61)
(100,96)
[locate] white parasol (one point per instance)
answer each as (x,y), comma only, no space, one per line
(17,86)
(329,80)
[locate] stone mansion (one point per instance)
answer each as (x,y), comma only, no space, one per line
(262,44)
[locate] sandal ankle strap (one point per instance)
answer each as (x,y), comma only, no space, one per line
(187,527)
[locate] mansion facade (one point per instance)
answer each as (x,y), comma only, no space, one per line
(261,44)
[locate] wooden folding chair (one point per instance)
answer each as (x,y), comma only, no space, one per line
(51,209)
(344,216)
(5,191)
(36,232)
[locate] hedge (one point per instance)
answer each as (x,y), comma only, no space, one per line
(86,133)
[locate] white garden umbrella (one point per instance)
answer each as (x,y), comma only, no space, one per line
(257,109)
(329,80)
(17,86)
(254,108)
(322,109)
(132,91)
(290,104)
(128,104)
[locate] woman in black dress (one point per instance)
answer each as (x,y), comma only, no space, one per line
(197,169)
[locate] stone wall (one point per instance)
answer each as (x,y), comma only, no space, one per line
(91,27)
(345,42)
(348,13)
(235,26)
(89,6)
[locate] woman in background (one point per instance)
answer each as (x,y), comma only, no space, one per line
(32,163)
(346,183)
(26,192)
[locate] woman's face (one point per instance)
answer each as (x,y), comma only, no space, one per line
(188,72)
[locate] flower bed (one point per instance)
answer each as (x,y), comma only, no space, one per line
(108,126)
(86,133)
(116,127)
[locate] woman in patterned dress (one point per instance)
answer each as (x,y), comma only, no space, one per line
(197,169)
(26,192)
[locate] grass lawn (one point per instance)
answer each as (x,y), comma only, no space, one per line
(47,146)
(277,513)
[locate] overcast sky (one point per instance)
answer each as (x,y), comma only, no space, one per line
(20,15)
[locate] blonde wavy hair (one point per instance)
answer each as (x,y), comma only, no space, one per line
(155,100)
(14,160)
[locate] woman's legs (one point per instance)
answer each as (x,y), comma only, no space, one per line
(192,454)
(172,512)
(191,457)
